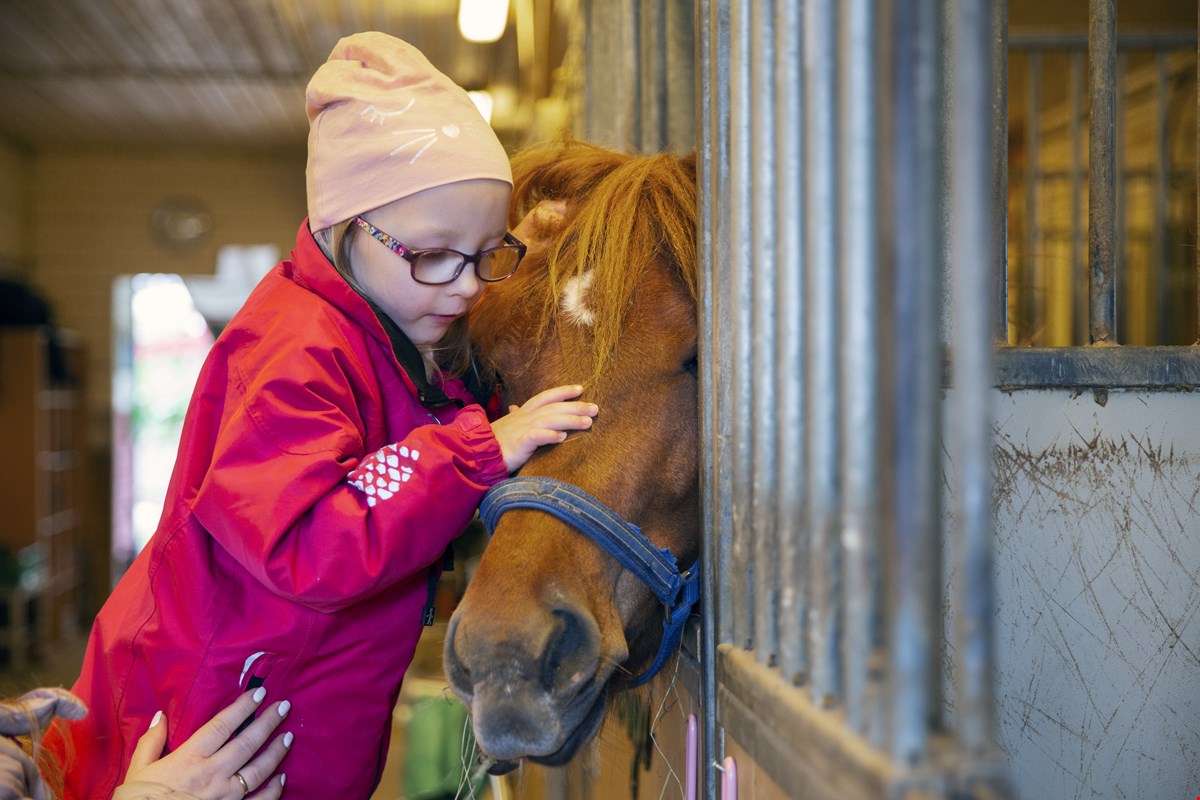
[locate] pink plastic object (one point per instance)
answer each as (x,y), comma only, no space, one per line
(690,777)
(729,779)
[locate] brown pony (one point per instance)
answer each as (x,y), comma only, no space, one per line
(550,622)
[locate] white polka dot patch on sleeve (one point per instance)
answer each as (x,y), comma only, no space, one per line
(381,474)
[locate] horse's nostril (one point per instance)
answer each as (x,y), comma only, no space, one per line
(572,652)
(457,673)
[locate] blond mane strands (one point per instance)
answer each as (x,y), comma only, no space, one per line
(625,212)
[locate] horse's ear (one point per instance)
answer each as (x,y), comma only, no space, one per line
(542,223)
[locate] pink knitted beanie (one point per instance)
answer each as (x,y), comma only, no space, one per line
(384,124)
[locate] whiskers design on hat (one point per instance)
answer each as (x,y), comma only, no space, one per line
(430,137)
(377,114)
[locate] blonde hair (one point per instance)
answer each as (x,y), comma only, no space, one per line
(450,356)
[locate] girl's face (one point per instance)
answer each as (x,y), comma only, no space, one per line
(467,216)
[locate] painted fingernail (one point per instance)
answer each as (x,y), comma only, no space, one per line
(287,739)
(259,694)
(282,779)
(284,708)
(157,719)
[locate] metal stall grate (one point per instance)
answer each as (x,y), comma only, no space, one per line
(821,147)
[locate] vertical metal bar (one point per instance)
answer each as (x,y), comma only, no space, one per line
(1079,302)
(999,250)
(911,257)
(742,330)
(1196,165)
(765,266)
(1031,267)
(716,354)
(969,421)
(789,344)
(652,75)
(859,361)
(682,30)
(1102,194)
(820,362)
(1162,186)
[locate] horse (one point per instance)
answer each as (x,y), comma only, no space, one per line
(551,625)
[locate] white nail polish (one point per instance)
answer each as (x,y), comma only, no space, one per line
(157,719)
(284,708)
(282,780)
(259,694)
(287,739)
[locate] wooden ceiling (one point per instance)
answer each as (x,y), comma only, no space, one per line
(220,73)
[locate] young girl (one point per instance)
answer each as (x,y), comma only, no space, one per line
(332,449)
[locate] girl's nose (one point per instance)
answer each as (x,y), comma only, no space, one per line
(467,283)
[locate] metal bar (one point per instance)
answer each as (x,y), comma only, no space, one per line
(1024,40)
(820,360)
(712,44)
(741,331)
(999,249)
(858,302)
(1196,163)
(1162,184)
(968,431)
(651,74)
(1031,293)
(765,265)
(911,255)
(1078,270)
(1102,179)
(790,415)
(1106,369)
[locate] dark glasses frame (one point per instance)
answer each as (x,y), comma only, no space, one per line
(411,255)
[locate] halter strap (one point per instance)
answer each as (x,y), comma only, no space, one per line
(653,566)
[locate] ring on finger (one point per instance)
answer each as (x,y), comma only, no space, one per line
(242,781)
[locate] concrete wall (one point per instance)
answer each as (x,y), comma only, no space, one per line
(1098,592)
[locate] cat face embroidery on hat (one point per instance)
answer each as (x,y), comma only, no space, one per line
(421,138)
(381,474)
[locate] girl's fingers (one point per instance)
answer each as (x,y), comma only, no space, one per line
(217,731)
(555,395)
(150,747)
(238,751)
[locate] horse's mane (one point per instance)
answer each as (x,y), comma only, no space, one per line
(625,211)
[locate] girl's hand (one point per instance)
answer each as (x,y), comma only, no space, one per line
(208,764)
(544,419)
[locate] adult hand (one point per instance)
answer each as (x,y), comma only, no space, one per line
(544,419)
(208,765)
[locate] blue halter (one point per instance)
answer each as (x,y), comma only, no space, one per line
(654,566)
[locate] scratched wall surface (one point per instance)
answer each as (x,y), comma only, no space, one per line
(1098,595)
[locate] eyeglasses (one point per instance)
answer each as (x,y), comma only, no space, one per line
(438,266)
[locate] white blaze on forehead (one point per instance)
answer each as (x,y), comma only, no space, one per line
(574,300)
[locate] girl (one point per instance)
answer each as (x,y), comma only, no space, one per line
(335,444)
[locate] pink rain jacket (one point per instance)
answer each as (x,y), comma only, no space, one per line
(313,494)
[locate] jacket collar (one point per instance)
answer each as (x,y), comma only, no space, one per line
(312,269)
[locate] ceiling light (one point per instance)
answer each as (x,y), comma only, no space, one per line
(482,20)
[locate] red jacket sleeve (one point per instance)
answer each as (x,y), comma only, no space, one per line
(292,495)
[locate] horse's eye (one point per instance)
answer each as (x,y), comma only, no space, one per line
(692,366)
